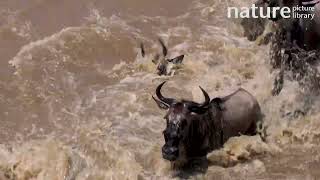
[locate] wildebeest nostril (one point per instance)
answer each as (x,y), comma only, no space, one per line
(169,150)
(165,150)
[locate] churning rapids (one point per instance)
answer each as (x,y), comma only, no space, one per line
(75,92)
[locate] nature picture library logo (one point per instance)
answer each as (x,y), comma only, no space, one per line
(297,12)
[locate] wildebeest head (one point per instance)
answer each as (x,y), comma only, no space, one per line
(180,115)
(164,65)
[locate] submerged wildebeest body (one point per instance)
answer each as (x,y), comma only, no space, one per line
(194,129)
(164,65)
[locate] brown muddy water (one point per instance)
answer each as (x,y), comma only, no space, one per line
(75,94)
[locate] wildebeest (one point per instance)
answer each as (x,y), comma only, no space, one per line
(164,65)
(292,44)
(295,45)
(195,129)
(305,32)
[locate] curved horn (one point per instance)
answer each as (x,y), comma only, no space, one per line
(164,48)
(167,101)
(201,108)
(206,96)
(160,103)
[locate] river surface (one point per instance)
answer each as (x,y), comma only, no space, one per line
(75,92)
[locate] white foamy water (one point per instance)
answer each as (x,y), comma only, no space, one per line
(76,102)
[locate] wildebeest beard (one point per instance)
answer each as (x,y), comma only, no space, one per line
(192,129)
(204,133)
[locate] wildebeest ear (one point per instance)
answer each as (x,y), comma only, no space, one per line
(155,59)
(177,60)
(160,104)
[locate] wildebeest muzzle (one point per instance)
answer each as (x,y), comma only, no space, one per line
(170,153)
(170,149)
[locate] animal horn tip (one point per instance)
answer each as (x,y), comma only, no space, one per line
(162,83)
(201,88)
(207,97)
(153,97)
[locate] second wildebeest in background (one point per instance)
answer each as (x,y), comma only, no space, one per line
(164,65)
